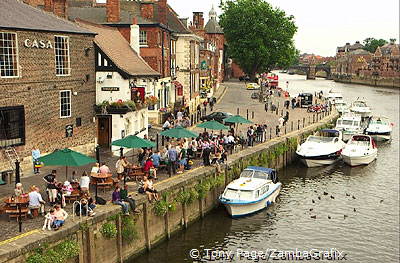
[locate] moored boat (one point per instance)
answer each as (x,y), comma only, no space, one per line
(323,148)
(360,107)
(341,106)
(255,189)
(350,124)
(379,128)
(360,150)
(333,97)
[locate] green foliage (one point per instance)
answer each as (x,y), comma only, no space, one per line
(129,232)
(162,206)
(109,230)
(292,143)
(260,36)
(58,254)
(84,227)
(371,44)
(186,196)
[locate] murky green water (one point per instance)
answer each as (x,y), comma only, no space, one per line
(365,228)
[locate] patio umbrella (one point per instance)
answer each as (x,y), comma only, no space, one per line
(179,132)
(134,142)
(213,125)
(237,119)
(66,157)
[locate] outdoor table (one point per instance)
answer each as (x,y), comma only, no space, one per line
(102,180)
(18,208)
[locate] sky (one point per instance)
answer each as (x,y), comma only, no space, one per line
(323,25)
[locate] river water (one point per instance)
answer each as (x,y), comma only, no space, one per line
(365,228)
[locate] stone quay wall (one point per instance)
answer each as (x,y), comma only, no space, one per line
(378,82)
(109,237)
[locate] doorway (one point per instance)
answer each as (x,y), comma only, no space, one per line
(104,131)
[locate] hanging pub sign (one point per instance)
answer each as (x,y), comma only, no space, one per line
(203,65)
(69,130)
(109,88)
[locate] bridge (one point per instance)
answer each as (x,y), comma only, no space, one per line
(311,70)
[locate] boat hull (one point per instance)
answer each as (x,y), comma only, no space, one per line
(318,162)
(240,210)
(363,114)
(359,160)
(380,137)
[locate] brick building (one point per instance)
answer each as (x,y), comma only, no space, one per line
(212,51)
(47,82)
(356,65)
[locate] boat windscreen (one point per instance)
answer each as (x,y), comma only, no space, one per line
(260,175)
(320,139)
(238,194)
(247,173)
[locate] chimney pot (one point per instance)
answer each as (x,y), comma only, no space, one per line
(162,11)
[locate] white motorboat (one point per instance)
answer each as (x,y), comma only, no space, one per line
(360,107)
(341,106)
(360,150)
(380,129)
(333,97)
(254,190)
(350,124)
(323,148)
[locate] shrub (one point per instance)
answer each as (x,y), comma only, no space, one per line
(129,231)
(109,230)
(58,254)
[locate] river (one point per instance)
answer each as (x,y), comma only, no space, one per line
(364,228)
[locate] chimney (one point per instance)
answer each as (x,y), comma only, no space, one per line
(357,42)
(34,3)
(147,10)
(198,20)
(48,5)
(60,8)
(162,11)
(134,37)
(113,11)
(184,21)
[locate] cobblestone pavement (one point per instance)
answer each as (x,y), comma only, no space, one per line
(236,96)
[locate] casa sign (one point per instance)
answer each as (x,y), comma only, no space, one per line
(34,43)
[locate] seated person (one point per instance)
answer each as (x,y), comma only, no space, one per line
(19,190)
(84,209)
(149,189)
(67,188)
(104,169)
(60,217)
(127,198)
(95,169)
(35,200)
(149,168)
(117,200)
(84,182)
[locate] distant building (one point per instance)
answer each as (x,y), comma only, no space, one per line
(356,65)
(47,82)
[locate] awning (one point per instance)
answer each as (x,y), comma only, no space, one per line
(177,84)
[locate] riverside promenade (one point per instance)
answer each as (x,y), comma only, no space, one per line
(10,236)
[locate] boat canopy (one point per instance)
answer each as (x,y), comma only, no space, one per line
(260,173)
(261,169)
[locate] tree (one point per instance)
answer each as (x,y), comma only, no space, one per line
(259,36)
(371,44)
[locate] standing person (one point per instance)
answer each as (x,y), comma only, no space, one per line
(287,104)
(286,118)
(287,85)
(121,165)
(179,117)
(117,200)
(35,159)
(182,160)
(35,200)
(211,105)
(250,133)
(84,182)
(51,181)
(266,106)
(205,153)
(293,103)
(172,157)
(166,125)
(259,133)
(205,107)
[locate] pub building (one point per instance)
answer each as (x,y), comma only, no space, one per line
(47,83)
(124,83)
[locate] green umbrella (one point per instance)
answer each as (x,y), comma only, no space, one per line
(134,142)
(66,157)
(213,125)
(237,119)
(179,132)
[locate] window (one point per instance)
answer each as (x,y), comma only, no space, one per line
(65,103)
(143,38)
(61,49)
(8,55)
(12,126)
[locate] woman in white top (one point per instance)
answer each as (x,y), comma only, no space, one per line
(95,168)
(84,182)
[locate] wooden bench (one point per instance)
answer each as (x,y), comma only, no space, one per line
(135,174)
(107,184)
(13,212)
(74,196)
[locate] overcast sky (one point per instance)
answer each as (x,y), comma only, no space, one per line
(324,24)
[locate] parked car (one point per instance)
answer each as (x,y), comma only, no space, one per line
(255,95)
(217,116)
(306,99)
(244,78)
(252,86)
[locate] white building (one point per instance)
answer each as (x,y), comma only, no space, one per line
(124,83)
